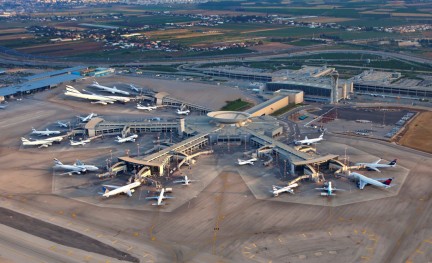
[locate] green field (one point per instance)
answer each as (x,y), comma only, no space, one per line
(236,105)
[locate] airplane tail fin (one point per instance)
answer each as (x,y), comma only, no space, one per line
(393,162)
(104,190)
(322,134)
(56,161)
(388,181)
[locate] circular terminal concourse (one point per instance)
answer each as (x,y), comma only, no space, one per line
(229,117)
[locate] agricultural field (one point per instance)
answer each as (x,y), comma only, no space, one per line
(419,133)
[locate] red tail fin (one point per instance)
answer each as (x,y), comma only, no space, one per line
(388,181)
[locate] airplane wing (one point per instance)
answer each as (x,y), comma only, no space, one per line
(373,168)
(111,186)
(376,162)
(152,197)
(179,181)
(322,189)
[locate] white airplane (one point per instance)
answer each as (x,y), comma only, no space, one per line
(183,112)
(114,98)
(127,139)
(126,189)
(87,167)
(46,132)
(99,99)
(309,141)
(149,108)
(40,143)
(362,181)
(70,168)
(250,161)
(159,198)
(63,124)
(108,89)
(185,181)
(82,142)
(86,118)
(329,189)
(375,165)
(276,190)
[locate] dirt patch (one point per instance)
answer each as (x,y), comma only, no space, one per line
(419,133)
(63,48)
(271,46)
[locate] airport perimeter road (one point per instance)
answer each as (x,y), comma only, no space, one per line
(258,56)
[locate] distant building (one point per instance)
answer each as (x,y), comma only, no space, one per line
(43,81)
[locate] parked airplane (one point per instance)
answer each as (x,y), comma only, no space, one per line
(82,142)
(185,181)
(329,189)
(276,190)
(46,132)
(159,198)
(86,118)
(149,108)
(126,189)
(70,168)
(99,99)
(183,112)
(122,99)
(127,139)
(108,89)
(362,181)
(40,143)
(63,124)
(250,161)
(375,165)
(309,141)
(87,167)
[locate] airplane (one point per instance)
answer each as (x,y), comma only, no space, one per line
(98,99)
(87,167)
(309,141)
(126,189)
(329,189)
(3,106)
(183,112)
(149,108)
(114,98)
(46,132)
(62,124)
(86,118)
(276,190)
(250,161)
(82,142)
(127,139)
(159,198)
(185,181)
(108,89)
(362,181)
(54,139)
(375,165)
(71,168)
(40,143)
